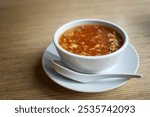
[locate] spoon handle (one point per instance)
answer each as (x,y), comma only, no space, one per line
(126,75)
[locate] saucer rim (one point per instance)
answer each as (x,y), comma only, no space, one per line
(83,91)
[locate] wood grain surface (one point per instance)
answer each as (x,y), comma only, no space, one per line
(27,28)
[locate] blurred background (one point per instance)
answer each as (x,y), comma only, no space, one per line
(27,28)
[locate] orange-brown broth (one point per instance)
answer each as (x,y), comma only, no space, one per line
(91,40)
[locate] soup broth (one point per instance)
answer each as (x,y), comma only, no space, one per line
(91,40)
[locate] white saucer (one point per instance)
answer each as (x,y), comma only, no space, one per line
(128,64)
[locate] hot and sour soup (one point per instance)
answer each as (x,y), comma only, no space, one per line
(91,40)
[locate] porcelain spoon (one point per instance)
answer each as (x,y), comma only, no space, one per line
(86,78)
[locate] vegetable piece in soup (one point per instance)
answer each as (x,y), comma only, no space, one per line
(91,40)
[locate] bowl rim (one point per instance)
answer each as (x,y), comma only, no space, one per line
(55,40)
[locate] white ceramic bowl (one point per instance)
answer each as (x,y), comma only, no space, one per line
(90,64)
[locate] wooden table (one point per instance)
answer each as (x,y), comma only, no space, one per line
(27,28)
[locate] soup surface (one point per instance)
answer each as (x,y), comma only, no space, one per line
(91,40)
